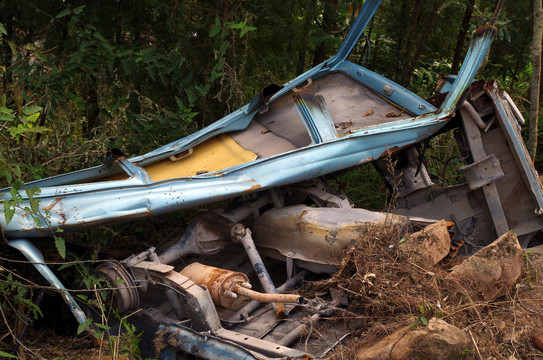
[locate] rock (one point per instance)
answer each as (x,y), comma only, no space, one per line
(438,340)
(494,269)
(430,245)
(537,339)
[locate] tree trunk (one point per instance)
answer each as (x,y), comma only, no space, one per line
(406,38)
(322,51)
(536,77)
(412,28)
(462,37)
(541,76)
(375,52)
(497,12)
(412,61)
(302,46)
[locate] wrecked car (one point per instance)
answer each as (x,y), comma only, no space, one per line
(217,298)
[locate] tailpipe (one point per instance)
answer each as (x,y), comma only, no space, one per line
(229,288)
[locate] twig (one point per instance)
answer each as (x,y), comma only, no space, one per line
(334,345)
(474,343)
(62,157)
(62,290)
(51,263)
(345,289)
(15,337)
(486,303)
(17,276)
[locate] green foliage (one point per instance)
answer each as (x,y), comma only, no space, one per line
(15,299)
(427,312)
(359,186)
(61,246)
(7,355)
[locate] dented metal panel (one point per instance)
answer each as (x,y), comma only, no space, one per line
(196,292)
(317,235)
(75,206)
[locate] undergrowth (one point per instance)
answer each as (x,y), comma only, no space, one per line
(386,290)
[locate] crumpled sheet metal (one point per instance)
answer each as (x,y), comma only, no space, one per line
(107,202)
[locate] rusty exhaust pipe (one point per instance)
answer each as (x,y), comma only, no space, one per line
(269,298)
(243,235)
(225,285)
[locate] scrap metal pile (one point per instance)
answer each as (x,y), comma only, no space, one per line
(225,285)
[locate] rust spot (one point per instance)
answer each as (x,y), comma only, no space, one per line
(483,30)
(266,131)
(280,311)
(368,113)
(393,114)
(303,213)
(253,188)
(391,150)
(344,125)
(52,205)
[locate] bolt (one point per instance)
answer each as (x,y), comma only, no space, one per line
(237,232)
(246,285)
(230,294)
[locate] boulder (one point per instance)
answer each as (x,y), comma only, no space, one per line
(495,269)
(438,340)
(430,245)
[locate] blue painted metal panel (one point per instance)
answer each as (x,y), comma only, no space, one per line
(172,338)
(522,157)
(99,203)
(33,254)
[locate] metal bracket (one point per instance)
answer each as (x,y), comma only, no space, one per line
(482,172)
(33,254)
(490,192)
(198,306)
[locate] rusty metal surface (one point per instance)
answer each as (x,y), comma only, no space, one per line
(268,298)
(316,235)
(198,302)
(171,338)
(243,235)
(221,283)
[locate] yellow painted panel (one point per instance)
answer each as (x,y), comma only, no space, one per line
(215,154)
